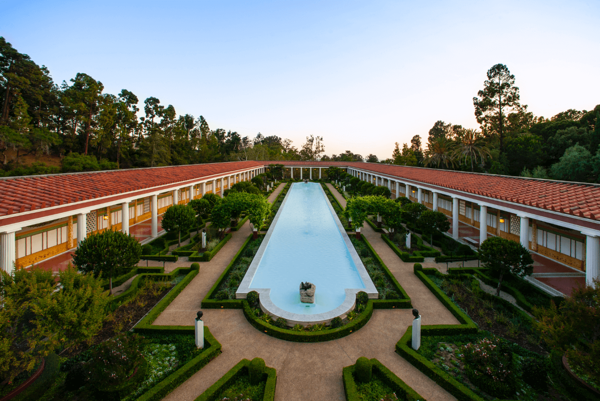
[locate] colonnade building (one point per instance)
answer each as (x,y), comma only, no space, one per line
(559,222)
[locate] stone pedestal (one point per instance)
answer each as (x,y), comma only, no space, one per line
(408,240)
(307,296)
(254,234)
(199,333)
(358,233)
(416,333)
(203,239)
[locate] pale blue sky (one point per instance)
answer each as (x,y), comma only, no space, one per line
(362,74)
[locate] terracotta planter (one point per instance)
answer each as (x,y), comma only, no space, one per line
(27,383)
(574,376)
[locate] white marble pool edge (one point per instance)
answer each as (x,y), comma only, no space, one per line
(269,307)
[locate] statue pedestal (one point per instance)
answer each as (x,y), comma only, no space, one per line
(416,333)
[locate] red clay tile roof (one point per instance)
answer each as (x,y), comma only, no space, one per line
(576,199)
(23,194)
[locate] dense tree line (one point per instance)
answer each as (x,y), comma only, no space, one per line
(510,139)
(93,130)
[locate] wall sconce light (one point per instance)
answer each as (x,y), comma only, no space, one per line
(502,220)
(105,217)
(413,191)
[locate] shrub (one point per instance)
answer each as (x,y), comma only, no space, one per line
(336,322)
(363,370)
(362,298)
(249,252)
(489,365)
(365,253)
(114,361)
(281,323)
(195,266)
(535,373)
(252,299)
(212,244)
(76,377)
(147,249)
(222,295)
(256,370)
(391,295)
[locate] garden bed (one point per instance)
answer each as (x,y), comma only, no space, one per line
(384,385)
(237,383)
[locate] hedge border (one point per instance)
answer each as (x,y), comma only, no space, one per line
(402,255)
(169,243)
(208,255)
(402,303)
(312,336)
(120,299)
(518,295)
(238,370)
(175,379)
(406,392)
(117,281)
(210,303)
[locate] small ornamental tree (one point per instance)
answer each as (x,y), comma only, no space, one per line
(202,207)
(411,212)
(503,256)
(179,218)
(221,217)
(212,199)
(392,215)
(403,200)
(37,318)
(382,191)
(106,252)
(574,329)
(258,209)
(430,222)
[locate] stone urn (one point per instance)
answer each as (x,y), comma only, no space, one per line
(307,293)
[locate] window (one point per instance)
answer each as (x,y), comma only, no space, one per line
(476,215)
(41,241)
(491,220)
(560,243)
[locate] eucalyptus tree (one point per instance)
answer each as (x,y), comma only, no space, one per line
(498,98)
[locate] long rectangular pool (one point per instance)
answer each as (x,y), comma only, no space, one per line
(306,242)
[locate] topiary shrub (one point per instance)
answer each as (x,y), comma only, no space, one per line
(363,370)
(362,298)
(535,373)
(336,322)
(252,299)
(256,369)
(147,249)
(195,266)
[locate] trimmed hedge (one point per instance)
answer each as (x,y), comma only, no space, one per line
(402,390)
(208,255)
(211,303)
(405,256)
(165,241)
(404,302)
(519,296)
(161,258)
(212,348)
(308,337)
(120,299)
(136,270)
(240,369)
(43,382)
(467,325)
(145,324)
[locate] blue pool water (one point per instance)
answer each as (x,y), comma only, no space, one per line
(306,245)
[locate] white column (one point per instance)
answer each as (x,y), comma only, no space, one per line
(389,184)
(175,196)
(407,191)
(125,217)
(319,173)
(311,173)
(154,206)
(81,227)
(191,191)
(292,173)
(455,218)
(435,201)
(203,188)
(221,187)
(482,223)
(7,252)
(419,195)
(524,231)
(397,189)
(592,259)
(301,173)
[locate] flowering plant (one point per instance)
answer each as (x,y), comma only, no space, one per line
(489,357)
(115,361)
